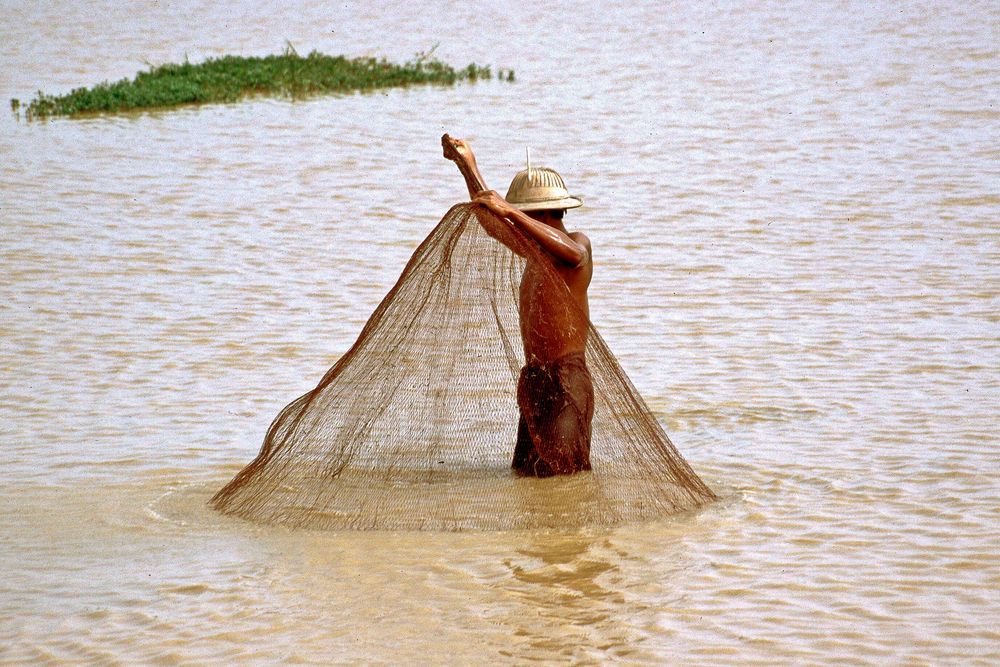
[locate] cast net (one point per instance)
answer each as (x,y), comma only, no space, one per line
(415,426)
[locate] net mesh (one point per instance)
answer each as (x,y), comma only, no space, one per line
(415,426)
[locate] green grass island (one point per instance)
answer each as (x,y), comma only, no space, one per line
(232,78)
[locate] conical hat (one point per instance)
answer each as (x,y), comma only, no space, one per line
(540,188)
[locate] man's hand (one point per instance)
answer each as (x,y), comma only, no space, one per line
(493,201)
(456,149)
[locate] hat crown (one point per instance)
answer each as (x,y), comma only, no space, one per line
(540,177)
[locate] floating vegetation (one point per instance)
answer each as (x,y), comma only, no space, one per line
(231,78)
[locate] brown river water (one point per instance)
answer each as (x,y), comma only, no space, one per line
(795,214)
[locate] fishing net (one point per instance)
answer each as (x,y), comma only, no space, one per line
(414,428)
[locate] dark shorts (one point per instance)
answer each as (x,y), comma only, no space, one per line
(557,406)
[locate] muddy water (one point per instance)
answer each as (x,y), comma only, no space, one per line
(795,220)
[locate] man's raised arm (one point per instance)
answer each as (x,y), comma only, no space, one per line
(459,152)
(558,244)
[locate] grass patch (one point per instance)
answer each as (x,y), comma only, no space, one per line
(231,78)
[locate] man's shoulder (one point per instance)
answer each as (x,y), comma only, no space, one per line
(584,241)
(580,238)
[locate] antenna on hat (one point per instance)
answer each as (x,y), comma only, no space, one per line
(527,159)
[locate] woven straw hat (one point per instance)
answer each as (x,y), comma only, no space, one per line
(540,188)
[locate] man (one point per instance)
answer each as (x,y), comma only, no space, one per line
(554,392)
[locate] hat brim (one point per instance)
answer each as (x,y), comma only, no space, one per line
(548,204)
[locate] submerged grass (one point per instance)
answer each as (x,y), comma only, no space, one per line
(230,78)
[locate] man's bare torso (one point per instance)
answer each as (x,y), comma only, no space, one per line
(551,327)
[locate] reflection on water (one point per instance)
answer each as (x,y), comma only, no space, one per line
(793,210)
(562,610)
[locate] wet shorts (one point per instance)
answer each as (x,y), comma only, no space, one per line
(557,406)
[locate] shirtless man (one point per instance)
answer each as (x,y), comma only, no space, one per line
(554,392)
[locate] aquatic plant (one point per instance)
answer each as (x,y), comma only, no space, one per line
(231,78)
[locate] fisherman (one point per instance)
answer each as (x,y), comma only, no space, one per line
(554,392)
